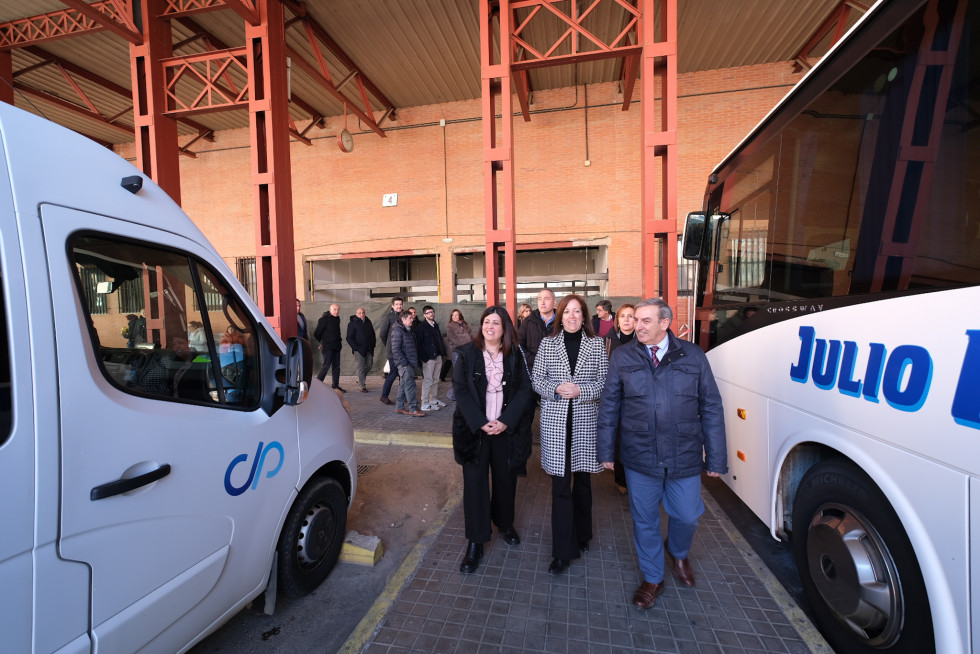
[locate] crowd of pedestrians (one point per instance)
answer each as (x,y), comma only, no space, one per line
(616,390)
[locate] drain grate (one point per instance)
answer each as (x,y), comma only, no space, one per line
(364,469)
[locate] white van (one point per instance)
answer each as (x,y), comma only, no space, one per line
(159,467)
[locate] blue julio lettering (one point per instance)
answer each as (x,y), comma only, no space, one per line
(902,377)
(966,400)
(258,462)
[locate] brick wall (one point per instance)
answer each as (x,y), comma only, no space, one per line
(437,173)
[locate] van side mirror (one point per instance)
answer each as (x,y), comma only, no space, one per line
(298,362)
(694,235)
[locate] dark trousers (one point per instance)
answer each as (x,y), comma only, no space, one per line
(619,472)
(389,380)
(447,366)
(571,513)
(330,358)
(480,504)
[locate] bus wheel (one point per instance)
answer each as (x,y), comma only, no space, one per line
(312,537)
(857,565)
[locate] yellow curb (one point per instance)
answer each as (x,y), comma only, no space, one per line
(361,549)
(808,632)
(366,629)
(418,439)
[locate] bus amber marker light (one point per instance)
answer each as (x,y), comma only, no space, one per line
(741,413)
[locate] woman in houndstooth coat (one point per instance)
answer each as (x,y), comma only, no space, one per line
(569,372)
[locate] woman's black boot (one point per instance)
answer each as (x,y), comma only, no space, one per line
(471,561)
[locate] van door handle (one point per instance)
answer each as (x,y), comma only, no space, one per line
(120,486)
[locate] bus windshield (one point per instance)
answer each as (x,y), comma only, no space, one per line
(873,187)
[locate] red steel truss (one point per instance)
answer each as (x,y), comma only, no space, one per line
(206,74)
(81,18)
(643,49)
(584,45)
(68,68)
(835,25)
(168,89)
(318,38)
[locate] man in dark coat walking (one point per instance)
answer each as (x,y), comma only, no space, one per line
(328,333)
(662,400)
(390,318)
(361,338)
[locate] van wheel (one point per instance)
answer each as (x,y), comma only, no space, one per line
(857,566)
(312,537)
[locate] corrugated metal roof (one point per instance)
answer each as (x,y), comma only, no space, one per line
(416,53)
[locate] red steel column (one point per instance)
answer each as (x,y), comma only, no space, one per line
(271,179)
(157,151)
(658,68)
(498,168)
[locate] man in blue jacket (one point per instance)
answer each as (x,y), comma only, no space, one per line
(662,400)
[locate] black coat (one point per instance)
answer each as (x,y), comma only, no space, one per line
(430,341)
(328,332)
(532,330)
(389,319)
(470,386)
(614,339)
(360,335)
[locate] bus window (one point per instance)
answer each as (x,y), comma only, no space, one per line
(828,206)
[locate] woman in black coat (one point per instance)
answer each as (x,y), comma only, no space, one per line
(491,430)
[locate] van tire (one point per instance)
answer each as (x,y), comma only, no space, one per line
(310,542)
(838,505)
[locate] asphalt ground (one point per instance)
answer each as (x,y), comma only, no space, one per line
(415,600)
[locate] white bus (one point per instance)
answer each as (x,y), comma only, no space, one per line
(838,263)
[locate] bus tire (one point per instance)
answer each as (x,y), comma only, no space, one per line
(310,542)
(857,566)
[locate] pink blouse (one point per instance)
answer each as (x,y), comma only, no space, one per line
(495,388)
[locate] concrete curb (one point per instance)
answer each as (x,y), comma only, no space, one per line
(418,439)
(371,622)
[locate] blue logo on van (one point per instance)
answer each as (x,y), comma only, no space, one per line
(258,463)
(903,376)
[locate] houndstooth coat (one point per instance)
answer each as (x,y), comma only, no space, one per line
(551,369)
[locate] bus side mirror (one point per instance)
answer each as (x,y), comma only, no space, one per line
(694,235)
(298,362)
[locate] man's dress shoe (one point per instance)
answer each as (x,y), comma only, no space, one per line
(646,595)
(683,570)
